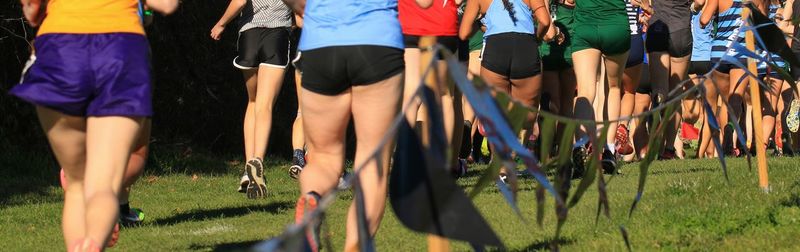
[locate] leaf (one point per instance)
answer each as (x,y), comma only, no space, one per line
(624,233)
(546,135)
(488,176)
(599,145)
(714,126)
(365,241)
(427,200)
(655,143)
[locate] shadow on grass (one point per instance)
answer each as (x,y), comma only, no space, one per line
(548,244)
(231,246)
(681,171)
(205,214)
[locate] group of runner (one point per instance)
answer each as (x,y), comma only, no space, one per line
(90,81)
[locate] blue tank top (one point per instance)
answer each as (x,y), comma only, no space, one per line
(498,19)
(350,22)
(728,31)
(701,45)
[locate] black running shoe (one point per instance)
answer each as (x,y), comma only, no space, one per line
(580,156)
(609,162)
(258,185)
(298,162)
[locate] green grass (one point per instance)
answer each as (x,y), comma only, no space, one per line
(687,205)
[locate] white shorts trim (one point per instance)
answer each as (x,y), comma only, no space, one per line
(240,66)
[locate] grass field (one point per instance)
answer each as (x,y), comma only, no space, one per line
(191,204)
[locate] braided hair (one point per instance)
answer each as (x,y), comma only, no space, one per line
(510,8)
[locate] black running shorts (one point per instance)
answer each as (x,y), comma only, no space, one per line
(699,67)
(515,55)
(660,38)
(636,53)
(332,70)
(263,46)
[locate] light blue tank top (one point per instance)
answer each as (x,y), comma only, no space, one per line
(701,45)
(498,20)
(350,22)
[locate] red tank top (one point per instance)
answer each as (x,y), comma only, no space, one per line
(441,19)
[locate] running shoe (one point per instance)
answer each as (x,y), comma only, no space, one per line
(343,183)
(298,162)
(609,162)
(580,157)
(668,154)
(243,183)
(623,145)
(305,206)
(114,237)
(786,140)
(134,217)
(461,169)
(793,118)
(258,185)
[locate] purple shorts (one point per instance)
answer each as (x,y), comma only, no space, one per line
(89,75)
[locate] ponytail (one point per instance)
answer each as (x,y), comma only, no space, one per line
(510,8)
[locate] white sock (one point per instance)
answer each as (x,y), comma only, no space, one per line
(612,147)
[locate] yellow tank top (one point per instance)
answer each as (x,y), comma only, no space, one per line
(92,16)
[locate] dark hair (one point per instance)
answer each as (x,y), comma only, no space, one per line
(510,8)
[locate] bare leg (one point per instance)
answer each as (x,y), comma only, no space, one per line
(678,67)
(373,112)
(630,81)
(270,80)
(769,108)
(67,137)
(137,161)
(586,63)
(251,82)
(412,82)
(723,86)
(640,133)
(736,96)
(298,139)
(109,141)
(615,66)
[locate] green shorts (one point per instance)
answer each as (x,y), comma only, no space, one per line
(557,57)
(609,39)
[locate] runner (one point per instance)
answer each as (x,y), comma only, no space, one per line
(263,46)
(91,122)
(439,19)
(669,45)
(298,138)
(353,68)
(701,64)
(728,32)
(630,79)
(510,57)
(558,76)
(588,48)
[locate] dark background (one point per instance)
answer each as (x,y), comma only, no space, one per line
(198,96)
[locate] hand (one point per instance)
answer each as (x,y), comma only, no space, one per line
(569,3)
(216,32)
(34,11)
(551,34)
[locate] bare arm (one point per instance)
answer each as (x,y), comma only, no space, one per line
(424,3)
(234,8)
(34,11)
(710,9)
(542,17)
(299,6)
(468,19)
(165,7)
(298,21)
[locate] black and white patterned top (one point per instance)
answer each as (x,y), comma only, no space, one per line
(633,17)
(265,14)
